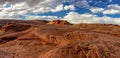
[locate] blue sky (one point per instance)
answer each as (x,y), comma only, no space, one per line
(74,11)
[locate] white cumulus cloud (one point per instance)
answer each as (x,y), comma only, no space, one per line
(112,9)
(76,18)
(22,8)
(69,7)
(96,9)
(49,18)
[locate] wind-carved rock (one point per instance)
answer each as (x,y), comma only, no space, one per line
(59,22)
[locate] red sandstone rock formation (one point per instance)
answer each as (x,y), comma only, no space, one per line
(60,22)
(37,40)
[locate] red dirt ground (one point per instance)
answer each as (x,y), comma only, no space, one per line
(43,39)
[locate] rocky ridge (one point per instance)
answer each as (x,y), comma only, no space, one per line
(58,39)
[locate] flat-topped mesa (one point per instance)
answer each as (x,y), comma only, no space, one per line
(59,22)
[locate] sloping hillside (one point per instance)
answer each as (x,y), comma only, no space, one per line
(39,39)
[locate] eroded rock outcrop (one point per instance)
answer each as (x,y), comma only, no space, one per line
(59,22)
(28,40)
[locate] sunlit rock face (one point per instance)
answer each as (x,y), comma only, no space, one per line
(44,39)
(59,22)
